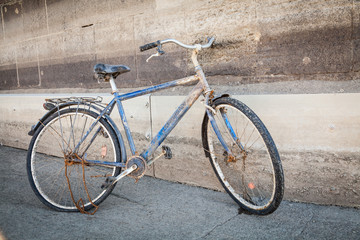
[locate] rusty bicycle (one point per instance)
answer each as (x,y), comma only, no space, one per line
(77,153)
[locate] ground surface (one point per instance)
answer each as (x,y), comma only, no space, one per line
(157,209)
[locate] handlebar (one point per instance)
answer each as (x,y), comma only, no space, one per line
(170,40)
(149,46)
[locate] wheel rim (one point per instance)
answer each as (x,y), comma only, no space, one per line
(48,167)
(251,178)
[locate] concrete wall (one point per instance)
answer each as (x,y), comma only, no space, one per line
(318,137)
(54,44)
(296,63)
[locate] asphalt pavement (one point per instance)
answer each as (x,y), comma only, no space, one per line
(157,209)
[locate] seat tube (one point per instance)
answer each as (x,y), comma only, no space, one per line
(125,124)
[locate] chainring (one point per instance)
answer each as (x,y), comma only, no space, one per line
(141,166)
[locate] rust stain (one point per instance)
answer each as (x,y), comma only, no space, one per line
(231,158)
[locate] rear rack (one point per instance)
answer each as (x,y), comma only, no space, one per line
(98,99)
(51,103)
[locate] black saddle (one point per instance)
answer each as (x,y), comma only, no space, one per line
(104,71)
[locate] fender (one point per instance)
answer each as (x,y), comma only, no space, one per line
(218,97)
(108,119)
(204,125)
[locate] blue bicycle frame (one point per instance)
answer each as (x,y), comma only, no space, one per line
(201,87)
(168,126)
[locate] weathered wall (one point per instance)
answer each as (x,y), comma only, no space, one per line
(54,44)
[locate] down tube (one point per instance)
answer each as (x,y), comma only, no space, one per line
(173,121)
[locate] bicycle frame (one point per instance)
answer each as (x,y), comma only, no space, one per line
(201,87)
(171,123)
(81,127)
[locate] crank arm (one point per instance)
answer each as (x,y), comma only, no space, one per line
(112,180)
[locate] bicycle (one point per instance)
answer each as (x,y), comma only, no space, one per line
(77,153)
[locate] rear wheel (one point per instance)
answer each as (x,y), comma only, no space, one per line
(54,166)
(254,177)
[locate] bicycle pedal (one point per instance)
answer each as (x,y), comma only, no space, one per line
(108,182)
(112,180)
(105,185)
(167,152)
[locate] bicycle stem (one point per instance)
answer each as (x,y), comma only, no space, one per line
(200,72)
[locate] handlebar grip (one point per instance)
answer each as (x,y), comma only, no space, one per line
(149,46)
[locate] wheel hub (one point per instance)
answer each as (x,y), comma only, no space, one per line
(73,158)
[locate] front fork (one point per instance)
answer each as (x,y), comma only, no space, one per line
(208,93)
(229,154)
(211,113)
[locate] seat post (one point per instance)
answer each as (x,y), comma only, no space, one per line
(113,85)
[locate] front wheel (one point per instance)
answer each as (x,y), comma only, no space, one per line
(254,177)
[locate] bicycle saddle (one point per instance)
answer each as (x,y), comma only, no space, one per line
(104,70)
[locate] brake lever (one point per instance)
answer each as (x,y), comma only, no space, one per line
(153,55)
(159,53)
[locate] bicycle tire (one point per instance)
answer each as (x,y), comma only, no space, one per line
(254,179)
(53,140)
